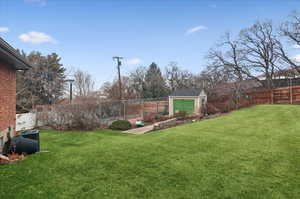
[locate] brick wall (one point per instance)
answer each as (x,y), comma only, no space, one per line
(7,99)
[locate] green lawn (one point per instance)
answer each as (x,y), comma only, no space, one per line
(251,153)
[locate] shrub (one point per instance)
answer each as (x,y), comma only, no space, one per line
(159,118)
(122,125)
(211,109)
(202,111)
(71,117)
(79,116)
(181,115)
(149,118)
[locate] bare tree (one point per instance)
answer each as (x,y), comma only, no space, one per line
(137,80)
(259,45)
(226,64)
(177,78)
(84,84)
(230,59)
(256,51)
(290,30)
(129,92)
(111,90)
(227,69)
(288,61)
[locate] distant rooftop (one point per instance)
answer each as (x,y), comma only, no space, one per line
(186,92)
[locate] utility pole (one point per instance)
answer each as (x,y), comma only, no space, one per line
(119,74)
(71,88)
(291,90)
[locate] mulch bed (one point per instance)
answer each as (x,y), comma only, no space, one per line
(12,158)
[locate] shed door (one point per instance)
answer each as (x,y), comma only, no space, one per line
(186,105)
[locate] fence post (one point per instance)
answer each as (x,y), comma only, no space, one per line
(36,117)
(272,96)
(291,92)
(142,101)
(124,110)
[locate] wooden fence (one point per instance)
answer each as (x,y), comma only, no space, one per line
(156,107)
(149,107)
(286,95)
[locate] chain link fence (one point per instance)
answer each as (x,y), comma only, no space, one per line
(89,113)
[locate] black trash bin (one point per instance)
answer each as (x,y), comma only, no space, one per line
(21,145)
(32,134)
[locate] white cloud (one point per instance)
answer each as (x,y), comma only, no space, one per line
(296,46)
(195,29)
(36,38)
(297,58)
(4,29)
(133,61)
(41,2)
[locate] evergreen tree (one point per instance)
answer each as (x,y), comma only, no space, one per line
(155,85)
(43,83)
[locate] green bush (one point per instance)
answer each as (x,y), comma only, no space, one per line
(122,125)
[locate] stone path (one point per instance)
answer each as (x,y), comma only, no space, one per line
(146,129)
(140,130)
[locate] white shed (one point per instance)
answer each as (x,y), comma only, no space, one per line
(189,101)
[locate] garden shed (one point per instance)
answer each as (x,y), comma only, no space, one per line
(188,100)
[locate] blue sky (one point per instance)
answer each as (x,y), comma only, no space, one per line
(86,34)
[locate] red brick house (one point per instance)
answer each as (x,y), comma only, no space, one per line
(10,62)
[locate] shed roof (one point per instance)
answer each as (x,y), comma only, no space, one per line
(10,56)
(186,93)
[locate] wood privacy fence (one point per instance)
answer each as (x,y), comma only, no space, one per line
(285,95)
(145,108)
(156,107)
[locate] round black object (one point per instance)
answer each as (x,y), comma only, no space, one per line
(32,134)
(21,145)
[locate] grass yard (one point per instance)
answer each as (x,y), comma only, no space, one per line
(251,153)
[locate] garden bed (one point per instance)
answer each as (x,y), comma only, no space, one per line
(181,121)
